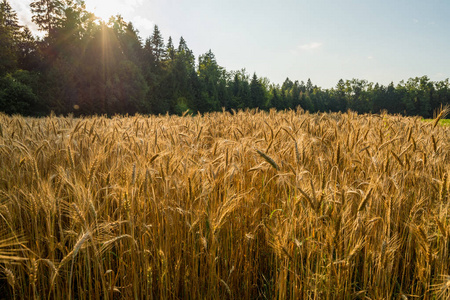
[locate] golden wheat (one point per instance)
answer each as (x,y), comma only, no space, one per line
(240,205)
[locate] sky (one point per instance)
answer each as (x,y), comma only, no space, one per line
(325,40)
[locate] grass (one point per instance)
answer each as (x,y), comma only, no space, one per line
(443,122)
(246,205)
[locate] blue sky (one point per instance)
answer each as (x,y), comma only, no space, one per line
(325,40)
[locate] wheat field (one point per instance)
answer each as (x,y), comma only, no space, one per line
(241,205)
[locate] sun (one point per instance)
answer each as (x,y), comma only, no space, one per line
(104,9)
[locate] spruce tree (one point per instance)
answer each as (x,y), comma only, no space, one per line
(170,49)
(47,14)
(157,44)
(9,35)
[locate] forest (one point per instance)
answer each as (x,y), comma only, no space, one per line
(82,65)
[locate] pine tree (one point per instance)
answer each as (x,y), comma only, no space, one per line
(47,14)
(257,93)
(157,44)
(9,18)
(209,73)
(340,97)
(28,55)
(9,33)
(170,49)
(275,100)
(185,55)
(182,68)
(309,86)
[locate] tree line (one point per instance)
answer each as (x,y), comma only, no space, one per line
(83,65)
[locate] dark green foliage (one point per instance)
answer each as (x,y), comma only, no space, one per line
(85,66)
(48,15)
(210,76)
(157,45)
(240,90)
(9,31)
(275,100)
(257,93)
(16,96)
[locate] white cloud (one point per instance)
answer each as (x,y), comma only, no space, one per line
(310,46)
(143,23)
(135,2)
(370,57)
(23,11)
(106,9)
